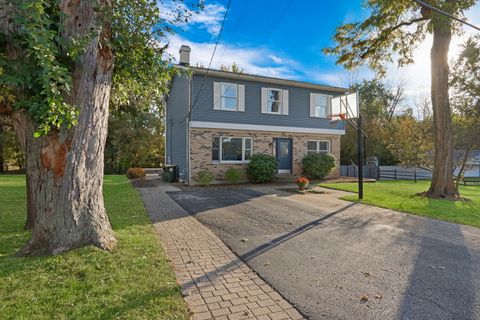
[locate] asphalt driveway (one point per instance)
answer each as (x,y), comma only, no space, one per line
(337,260)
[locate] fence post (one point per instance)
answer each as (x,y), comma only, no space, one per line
(379,173)
(415,175)
(395,174)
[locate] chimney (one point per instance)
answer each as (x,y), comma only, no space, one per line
(185,55)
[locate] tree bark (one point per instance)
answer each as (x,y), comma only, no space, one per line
(24,131)
(65,168)
(442,185)
(2,158)
(31,213)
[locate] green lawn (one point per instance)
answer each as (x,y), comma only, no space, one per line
(132,282)
(401,196)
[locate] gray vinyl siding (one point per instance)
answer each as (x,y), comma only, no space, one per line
(176,125)
(299,106)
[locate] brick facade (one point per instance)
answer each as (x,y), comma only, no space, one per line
(201,149)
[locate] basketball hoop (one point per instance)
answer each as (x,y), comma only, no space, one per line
(338,116)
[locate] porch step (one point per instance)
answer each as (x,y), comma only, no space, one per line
(153,170)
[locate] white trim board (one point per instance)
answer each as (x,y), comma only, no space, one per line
(256,127)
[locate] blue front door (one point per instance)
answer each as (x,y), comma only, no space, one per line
(284,155)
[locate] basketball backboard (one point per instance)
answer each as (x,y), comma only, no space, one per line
(345,107)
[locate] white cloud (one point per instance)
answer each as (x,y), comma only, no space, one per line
(331,78)
(262,61)
(275,59)
(210,18)
(252,60)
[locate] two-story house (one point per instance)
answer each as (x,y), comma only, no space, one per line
(217,119)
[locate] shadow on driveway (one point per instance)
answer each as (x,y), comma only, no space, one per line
(442,283)
(409,267)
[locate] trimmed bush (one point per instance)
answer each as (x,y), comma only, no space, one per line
(204,177)
(233,175)
(135,173)
(318,166)
(262,168)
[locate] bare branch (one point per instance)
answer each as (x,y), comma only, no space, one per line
(385,34)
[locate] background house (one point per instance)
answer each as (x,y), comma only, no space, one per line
(472,168)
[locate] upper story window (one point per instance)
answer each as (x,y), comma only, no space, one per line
(228,96)
(232,149)
(274,101)
(318,146)
(319,105)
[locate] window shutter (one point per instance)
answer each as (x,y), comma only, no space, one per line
(312,104)
(217,103)
(241,97)
(285,102)
(264,100)
(329,111)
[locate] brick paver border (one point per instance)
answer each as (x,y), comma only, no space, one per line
(215,283)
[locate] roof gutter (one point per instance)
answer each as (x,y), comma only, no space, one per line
(263,79)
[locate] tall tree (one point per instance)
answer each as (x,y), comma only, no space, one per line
(465,80)
(233,68)
(391,32)
(135,139)
(409,137)
(58,61)
(378,102)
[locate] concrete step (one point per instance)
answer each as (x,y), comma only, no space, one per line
(153,170)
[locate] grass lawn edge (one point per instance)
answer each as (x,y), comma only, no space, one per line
(389,195)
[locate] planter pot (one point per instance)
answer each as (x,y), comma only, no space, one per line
(302,187)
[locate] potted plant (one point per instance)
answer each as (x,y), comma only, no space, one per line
(302,183)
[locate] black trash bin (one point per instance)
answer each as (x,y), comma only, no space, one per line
(170,173)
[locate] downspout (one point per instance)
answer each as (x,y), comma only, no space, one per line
(189,169)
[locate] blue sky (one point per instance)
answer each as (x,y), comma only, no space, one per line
(284,38)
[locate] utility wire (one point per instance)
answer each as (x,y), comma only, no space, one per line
(211,59)
(282,15)
(424,4)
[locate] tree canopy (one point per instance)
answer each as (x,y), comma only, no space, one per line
(391,33)
(465,81)
(38,78)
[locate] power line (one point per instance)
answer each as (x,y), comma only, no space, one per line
(282,15)
(211,58)
(424,4)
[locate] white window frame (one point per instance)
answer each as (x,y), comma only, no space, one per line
(317,149)
(280,101)
(220,154)
(329,105)
(222,96)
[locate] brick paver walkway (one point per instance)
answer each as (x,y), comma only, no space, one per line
(214,282)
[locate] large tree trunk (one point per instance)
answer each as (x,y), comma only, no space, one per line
(442,185)
(65,168)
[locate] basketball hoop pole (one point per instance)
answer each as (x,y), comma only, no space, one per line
(344,112)
(360,156)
